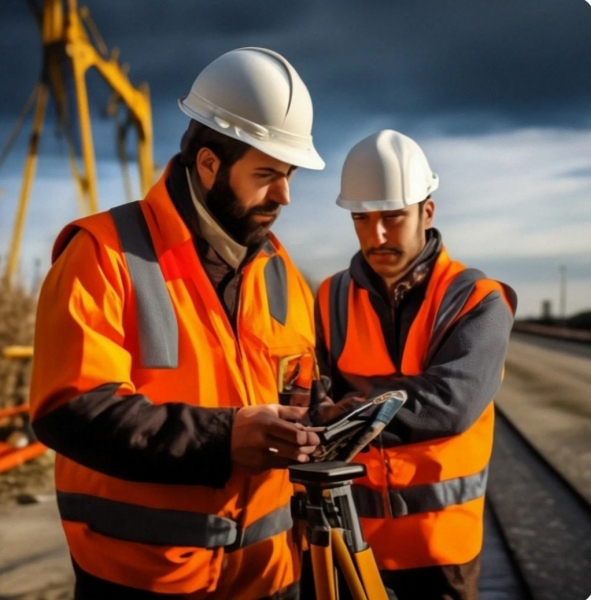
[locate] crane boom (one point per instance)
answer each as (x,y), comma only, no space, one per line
(67,45)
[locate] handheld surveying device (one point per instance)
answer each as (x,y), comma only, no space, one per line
(326,507)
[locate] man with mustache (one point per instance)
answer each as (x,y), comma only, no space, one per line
(405,316)
(168,330)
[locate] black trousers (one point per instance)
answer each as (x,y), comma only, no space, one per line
(448,582)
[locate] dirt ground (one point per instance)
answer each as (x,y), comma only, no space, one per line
(547,395)
(32,479)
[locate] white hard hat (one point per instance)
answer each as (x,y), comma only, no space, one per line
(385,171)
(255,96)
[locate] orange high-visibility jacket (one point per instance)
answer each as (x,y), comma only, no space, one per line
(113,318)
(421,504)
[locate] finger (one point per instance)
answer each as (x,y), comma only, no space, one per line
(282,449)
(303,458)
(287,432)
(292,413)
(307,449)
(313,439)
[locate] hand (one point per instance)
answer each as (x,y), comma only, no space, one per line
(264,438)
(298,396)
(327,410)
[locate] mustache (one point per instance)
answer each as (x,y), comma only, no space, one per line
(268,209)
(385,250)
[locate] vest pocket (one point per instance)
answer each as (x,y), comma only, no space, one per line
(295,369)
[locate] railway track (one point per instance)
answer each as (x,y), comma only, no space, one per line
(543,523)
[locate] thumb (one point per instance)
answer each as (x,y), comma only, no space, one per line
(292,413)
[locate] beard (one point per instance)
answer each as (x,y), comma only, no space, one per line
(237,221)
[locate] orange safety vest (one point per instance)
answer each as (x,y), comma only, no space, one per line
(155,324)
(420,504)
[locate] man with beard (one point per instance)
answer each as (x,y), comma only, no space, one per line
(168,330)
(404,316)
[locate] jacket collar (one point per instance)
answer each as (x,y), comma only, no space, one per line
(227,248)
(174,223)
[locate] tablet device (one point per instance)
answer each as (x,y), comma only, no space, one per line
(346,435)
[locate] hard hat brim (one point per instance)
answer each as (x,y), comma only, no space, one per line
(304,157)
(389,204)
(376,205)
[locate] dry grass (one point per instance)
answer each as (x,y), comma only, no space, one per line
(17,320)
(17,316)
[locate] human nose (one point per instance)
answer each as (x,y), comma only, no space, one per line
(378,233)
(279,191)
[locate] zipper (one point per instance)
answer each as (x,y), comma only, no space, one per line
(385,492)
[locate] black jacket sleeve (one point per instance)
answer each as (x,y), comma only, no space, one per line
(131,438)
(463,376)
(81,305)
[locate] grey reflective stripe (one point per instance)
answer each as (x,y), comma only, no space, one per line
(455,297)
(276,284)
(157,323)
(338,307)
(266,527)
(420,498)
(511,296)
(368,503)
(147,525)
(268,247)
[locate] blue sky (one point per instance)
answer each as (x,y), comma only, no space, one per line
(498,94)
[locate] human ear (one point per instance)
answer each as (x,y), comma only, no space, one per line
(428,213)
(207,164)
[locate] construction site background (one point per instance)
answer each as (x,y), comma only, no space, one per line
(17,320)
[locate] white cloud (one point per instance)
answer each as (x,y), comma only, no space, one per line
(516,204)
(522,195)
(53,204)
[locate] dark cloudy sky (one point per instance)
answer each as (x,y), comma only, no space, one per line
(497,93)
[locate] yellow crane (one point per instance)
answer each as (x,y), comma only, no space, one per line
(73,45)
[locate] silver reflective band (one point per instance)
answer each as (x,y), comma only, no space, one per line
(164,527)
(266,527)
(456,295)
(338,313)
(144,525)
(157,324)
(276,284)
(420,498)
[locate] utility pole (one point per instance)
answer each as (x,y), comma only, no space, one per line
(562,271)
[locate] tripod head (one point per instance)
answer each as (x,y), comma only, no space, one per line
(327,502)
(326,474)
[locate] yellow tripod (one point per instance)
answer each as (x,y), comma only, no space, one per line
(333,530)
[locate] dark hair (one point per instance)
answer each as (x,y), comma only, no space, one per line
(422,203)
(198,136)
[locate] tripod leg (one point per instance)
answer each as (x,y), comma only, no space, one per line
(362,576)
(347,566)
(323,569)
(370,575)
